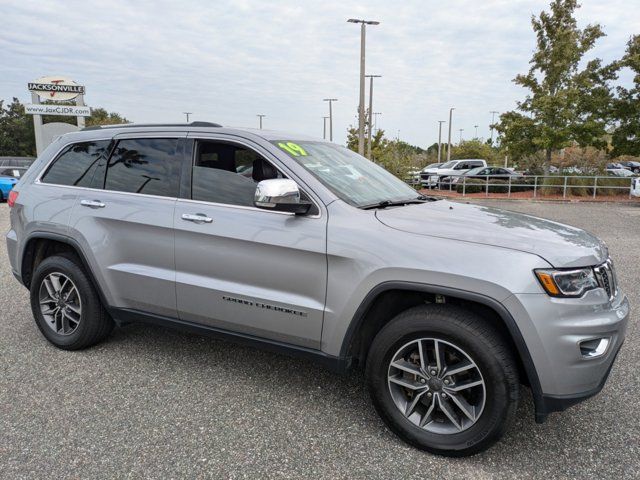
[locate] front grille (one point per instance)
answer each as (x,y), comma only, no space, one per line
(606,276)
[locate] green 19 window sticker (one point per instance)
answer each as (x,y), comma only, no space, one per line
(293,149)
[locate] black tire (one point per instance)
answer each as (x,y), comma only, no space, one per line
(95,323)
(484,345)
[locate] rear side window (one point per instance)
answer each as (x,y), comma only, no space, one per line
(147,165)
(80,165)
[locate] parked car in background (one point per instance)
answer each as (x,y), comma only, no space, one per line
(620,172)
(413,177)
(432,177)
(15,172)
(615,166)
(6,184)
(432,166)
(633,166)
(481,173)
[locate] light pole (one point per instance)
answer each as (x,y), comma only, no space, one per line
(493,116)
(330,100)
(449,142)
(461,130)
(324,127)
(363,24)
(476,127)
(440,122)
(260,116)
(187,115)
(371,77)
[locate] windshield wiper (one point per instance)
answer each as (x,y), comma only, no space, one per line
(395,203)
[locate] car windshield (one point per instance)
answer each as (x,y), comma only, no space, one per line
(448,165)
(348,175)
(433,165)
(474,171)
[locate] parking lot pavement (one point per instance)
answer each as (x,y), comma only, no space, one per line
(156,403)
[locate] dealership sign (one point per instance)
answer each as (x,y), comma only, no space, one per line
(55,95)
(68,110)
(56,88)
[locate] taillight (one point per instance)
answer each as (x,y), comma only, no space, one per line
(11,199)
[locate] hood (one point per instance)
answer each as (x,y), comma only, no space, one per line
(560,245)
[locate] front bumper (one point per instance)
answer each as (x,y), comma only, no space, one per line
(555,328)
(558,403)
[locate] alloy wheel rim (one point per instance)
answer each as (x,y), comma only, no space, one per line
(436,386)
(60,303)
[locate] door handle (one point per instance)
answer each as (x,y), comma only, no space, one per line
(92,203)
(196,218)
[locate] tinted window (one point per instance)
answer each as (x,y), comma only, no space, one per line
(81,165)
(227,173)
(476,164)
(147,165)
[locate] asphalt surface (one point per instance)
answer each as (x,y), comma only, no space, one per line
(156,403)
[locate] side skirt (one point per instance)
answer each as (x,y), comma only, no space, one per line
(123,316)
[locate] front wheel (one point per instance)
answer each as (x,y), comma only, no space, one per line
(443,380)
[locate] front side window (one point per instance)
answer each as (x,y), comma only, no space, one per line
(145,165)
(228,173)
(348,175)
(80,165)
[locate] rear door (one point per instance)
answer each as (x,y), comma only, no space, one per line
(244,269)
(126,222)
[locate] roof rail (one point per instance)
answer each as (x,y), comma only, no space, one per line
(134,125)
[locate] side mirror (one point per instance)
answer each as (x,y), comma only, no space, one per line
(280,195)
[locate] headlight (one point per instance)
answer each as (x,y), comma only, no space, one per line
(567,283)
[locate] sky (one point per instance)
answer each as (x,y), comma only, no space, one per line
(227,61)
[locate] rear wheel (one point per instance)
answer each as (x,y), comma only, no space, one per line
(66,306)
(443,380)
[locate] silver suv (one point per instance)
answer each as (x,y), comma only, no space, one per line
(304,247)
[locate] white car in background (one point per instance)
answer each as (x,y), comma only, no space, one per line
(431,177)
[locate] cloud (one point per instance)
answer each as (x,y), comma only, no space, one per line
(227,61)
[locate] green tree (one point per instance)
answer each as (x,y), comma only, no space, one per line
(626,106)
(378,142)
(17,137)
(474,149)
(566,104)
(99,116)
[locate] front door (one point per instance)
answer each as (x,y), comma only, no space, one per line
(240,268)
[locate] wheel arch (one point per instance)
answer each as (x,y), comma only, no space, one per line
(388,299)
(40,245)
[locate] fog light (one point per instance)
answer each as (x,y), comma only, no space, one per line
(594,348)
